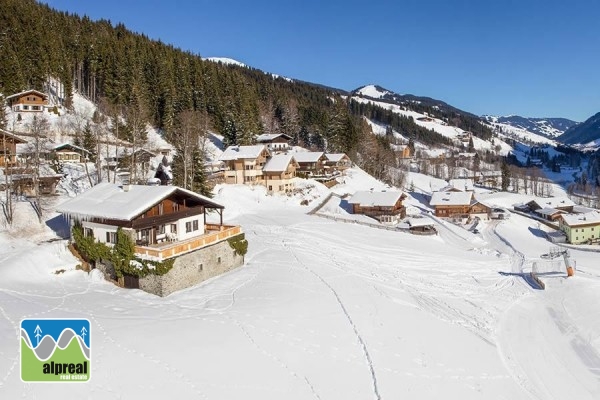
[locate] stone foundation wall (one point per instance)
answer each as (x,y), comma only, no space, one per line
(107,269)
(193,268)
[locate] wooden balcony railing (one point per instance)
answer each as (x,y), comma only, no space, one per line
(215,233)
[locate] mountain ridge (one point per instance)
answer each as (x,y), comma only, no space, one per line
(549,127)
(583,133)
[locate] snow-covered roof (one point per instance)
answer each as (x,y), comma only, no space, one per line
(368,198)
(591,218)
(417,222)
(69,146)
(267,137)
(462,184)
(278,163)
(237,152)
(308,156)
(110,201)
(451,198)
(547,211)
(25,92)
(335,157)
(554,202)
(16,138)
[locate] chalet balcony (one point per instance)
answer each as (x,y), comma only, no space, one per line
(213,234)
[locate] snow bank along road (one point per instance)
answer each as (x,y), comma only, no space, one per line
(321,310)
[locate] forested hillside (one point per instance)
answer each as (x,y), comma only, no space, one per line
(134,75)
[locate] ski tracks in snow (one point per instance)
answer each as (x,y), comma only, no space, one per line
(362,343)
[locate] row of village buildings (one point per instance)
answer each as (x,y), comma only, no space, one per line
(167,222)
(457,202)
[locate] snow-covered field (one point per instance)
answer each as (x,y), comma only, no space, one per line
(322,310)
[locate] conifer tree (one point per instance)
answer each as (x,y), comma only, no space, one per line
(505,170)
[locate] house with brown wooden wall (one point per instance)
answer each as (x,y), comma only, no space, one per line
(385,206)
(337,162)
(311,163)
(451,204)
(276,142)
(8,148)
(28,101)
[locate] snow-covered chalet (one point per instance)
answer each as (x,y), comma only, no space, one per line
(164,222)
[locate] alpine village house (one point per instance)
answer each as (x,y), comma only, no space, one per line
(164,223)
(384,206)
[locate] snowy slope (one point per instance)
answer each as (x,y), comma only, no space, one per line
(323,310)
(546,127)
(373,91)
(226,61)
(436,125)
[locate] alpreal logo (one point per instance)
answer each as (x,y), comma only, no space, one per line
(55,350)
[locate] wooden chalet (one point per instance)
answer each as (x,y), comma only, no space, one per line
(549,213)
(480,210)
(279,173)
(23,178)
(67,152)
(452,204)
(28,101)
(558,203)
(311,163)
(337,162)
(384,206)
(163,221)
(275,141)
(8,148)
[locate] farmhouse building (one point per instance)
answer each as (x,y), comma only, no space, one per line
(384,206)
(581,228)
(163,222)
(67,152)
(558,203)
(451,204)
(274,141)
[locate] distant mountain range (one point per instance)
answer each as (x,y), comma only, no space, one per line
(379,93)
(583,133)
(548,127)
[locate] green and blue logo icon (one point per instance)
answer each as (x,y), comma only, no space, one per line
(55,350)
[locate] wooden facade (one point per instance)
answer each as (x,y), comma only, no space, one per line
(275,142)
(376,211)
(28,101)
(315,167)
(449,211)
(479,208)
(8,148)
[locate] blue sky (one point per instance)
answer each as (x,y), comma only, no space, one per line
(528,57)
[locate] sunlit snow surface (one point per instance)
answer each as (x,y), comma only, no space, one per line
(322,310)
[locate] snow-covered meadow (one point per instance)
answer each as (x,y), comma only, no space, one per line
(322,310)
